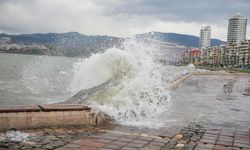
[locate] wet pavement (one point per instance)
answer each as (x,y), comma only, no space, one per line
(212,100)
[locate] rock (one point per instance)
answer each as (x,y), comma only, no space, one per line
(36,146)
(178,136)
(92,119)
(61,136)
(180,145)
(102,119)
(3,145)
(57,144)
(48,146)
(169,146)
(182,142)
(51,138)
(29,142)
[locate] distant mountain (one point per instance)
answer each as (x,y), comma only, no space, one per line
(76,44)
(180,39)
(67,44)
(48,38)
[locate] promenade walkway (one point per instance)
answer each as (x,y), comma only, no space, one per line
(192,137)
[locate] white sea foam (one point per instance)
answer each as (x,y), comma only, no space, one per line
(136,95)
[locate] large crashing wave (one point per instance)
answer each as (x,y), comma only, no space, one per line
(134,92)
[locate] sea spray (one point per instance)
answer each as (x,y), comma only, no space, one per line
(136,95)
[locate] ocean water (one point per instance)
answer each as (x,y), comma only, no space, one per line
(129,84)
(29,79)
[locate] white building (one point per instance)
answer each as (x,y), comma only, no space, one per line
(237,26)
(205,37)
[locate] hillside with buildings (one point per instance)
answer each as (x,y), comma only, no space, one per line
(64,44)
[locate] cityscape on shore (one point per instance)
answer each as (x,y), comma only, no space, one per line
(234,53)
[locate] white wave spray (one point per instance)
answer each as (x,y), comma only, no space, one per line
(136,95)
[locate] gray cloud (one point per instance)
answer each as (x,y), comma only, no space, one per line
(186,10)
(119,17)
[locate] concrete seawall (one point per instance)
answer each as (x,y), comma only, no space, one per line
(39,116)
(175,84)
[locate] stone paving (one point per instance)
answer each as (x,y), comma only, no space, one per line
(192,137)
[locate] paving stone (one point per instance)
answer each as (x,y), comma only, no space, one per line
(241,145)
(112,146)
(242,133)
(225,138)
(70,146)
(145,138)
(195,138)
(88,148)
(215,132)
(221,147)
(89,142)
(140,141)
(151,147)
(105,149)
(120,143)
(210,136)
(204,146)
(129,148)
(242,130)
(242,141)
(103,141)
(137,145)
(228,132)
(170,145)
(124,139)
(164,140)
(154,143)
(109,137)
(207,141)
(190,146)
(224,143)
(130,136)
(241,138)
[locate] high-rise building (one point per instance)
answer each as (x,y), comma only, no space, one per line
(205,37)
(237,26)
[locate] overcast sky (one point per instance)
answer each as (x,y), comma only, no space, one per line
(120,17)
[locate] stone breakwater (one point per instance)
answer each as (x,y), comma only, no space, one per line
(192,137)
